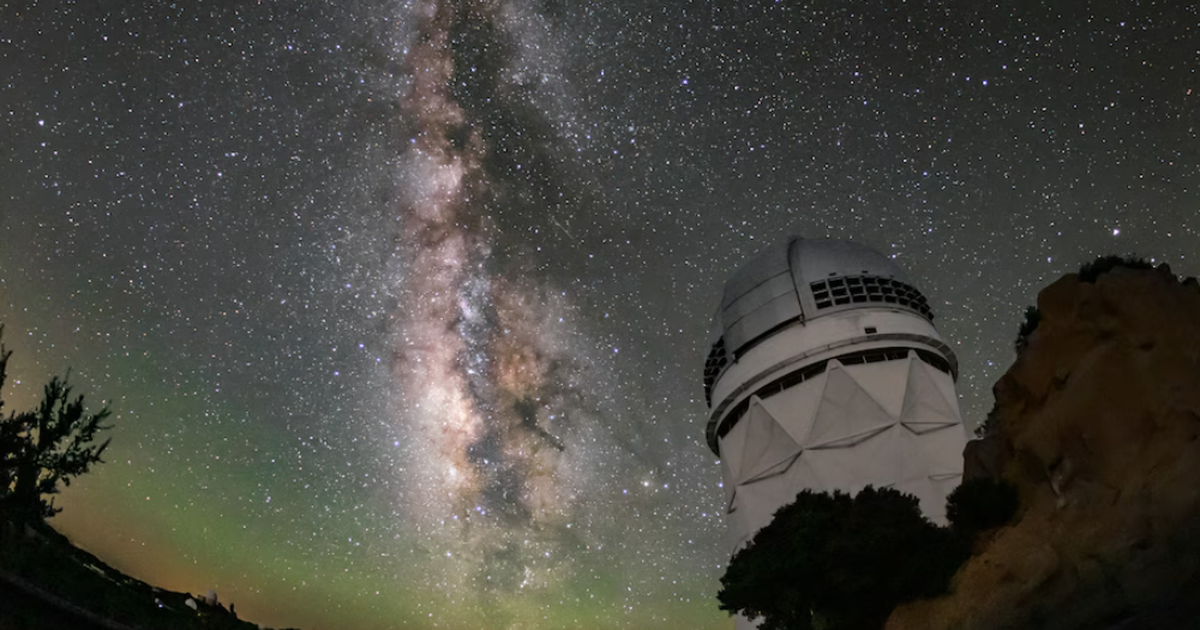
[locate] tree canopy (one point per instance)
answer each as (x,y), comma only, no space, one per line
(1033,317)
(833,561)
(1091,271)
(45,446)
(841,562)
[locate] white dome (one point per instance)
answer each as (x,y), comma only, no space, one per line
(802,279)
(826,373)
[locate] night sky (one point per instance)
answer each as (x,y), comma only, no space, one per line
(402,306)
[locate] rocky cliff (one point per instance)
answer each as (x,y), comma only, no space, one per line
(1098,426)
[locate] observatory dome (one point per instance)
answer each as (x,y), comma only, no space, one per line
(802,301)
(827,373)
(803,279)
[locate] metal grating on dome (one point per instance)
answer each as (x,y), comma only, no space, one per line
(717,360)
(847,290)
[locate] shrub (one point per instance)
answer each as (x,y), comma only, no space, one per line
(1033,317)
(990,424)
(980,504)
(1089,272)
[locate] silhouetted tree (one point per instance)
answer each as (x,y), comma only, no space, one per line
(1032,318)
(40,448)
(837,562)
(980,504)
(1091,271)
(990,424)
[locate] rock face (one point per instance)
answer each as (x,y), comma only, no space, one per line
(1098,426)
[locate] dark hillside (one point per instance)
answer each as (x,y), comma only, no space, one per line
(1097,425)
(46,583)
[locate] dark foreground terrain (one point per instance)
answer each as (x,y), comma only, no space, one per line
(46,583)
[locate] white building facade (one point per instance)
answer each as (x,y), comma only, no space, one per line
(826,373)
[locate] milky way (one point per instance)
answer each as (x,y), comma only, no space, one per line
(402,306)
(478,352)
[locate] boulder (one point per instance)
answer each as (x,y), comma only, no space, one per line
(1097,424)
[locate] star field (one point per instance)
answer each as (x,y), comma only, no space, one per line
(402,307)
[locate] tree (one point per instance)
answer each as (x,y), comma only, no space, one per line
(1033,317)
(38,449)
(1092,271)
(836,562)
(980,504)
